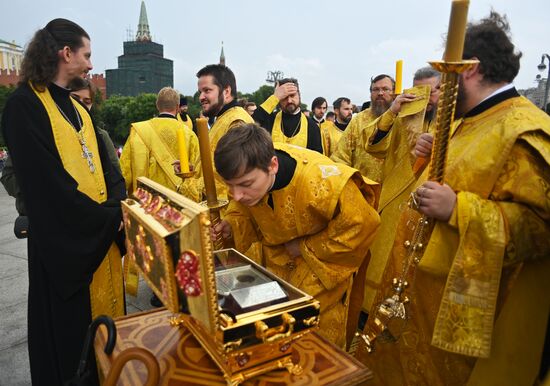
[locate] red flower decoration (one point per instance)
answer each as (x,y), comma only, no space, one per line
(187,274)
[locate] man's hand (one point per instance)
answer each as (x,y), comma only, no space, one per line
(223,228)
(293,248)
(177,167)
(284,90)
(435,200)
(399,100)
(424,145)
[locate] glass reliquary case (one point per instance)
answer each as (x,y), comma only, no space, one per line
(245,317)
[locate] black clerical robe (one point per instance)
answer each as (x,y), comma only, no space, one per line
(69,234)
(290,126)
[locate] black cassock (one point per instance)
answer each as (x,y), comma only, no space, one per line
(69,234)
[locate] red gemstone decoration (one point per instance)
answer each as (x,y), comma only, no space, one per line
(187,274)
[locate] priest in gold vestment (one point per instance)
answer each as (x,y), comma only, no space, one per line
(314,218)
(479,302)
(332,131)
(351,148)
(218,97)
(182,114)
(152,148)
(396,148)
(72,197)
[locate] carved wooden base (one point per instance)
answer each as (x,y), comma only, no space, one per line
(183,361)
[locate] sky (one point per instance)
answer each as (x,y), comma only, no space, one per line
(333,48)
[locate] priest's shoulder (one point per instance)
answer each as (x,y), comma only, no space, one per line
(23,94)
(523,116)
(23,102)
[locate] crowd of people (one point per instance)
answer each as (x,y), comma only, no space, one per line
(318,199)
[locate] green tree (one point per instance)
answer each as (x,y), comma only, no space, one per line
(118,112)
(113,117)
(193,106)
(260,95)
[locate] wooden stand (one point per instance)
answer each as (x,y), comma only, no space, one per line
(184,362)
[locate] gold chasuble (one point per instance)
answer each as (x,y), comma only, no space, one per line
(150,151)
(299,139)
(230,118)
(329,208)
(351,147)
(331,135)
(479,304)
(397,152)
(106,293)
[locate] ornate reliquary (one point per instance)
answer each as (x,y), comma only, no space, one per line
(245,317)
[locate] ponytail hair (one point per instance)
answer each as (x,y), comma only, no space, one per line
(40,63)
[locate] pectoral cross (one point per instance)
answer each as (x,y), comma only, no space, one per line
(86,153)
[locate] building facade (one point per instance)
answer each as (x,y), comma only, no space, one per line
(11,56)
(142,68)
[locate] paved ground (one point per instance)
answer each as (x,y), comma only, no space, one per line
(14,359)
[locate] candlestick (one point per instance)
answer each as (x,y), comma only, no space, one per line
(182,148)
(457,27)
(398,77)
(212,201)
(206,161)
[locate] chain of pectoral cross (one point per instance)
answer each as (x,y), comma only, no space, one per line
(86,153)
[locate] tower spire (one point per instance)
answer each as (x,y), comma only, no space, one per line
(222,57)
(143,34)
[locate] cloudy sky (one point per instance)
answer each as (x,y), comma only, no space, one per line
(332,47)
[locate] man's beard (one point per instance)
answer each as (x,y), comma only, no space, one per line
(430,114)
(290,108)
(379,107)
(460,99)
(344,119)
(214,109)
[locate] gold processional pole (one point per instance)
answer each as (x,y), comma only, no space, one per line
(212,201)
(414,229)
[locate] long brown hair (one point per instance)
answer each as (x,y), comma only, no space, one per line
(40,63)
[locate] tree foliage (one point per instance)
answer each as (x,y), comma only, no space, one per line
(260,95)
(117,113)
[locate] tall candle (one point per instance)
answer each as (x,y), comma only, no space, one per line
(398,77)
(182,148)
(206,161)
(457,27)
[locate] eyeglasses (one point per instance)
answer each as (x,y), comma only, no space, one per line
(383,90)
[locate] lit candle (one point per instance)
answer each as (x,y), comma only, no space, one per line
(206,161)
(398,77)
(184,159)
(457,27)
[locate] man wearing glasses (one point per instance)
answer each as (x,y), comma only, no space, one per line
(351,149)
